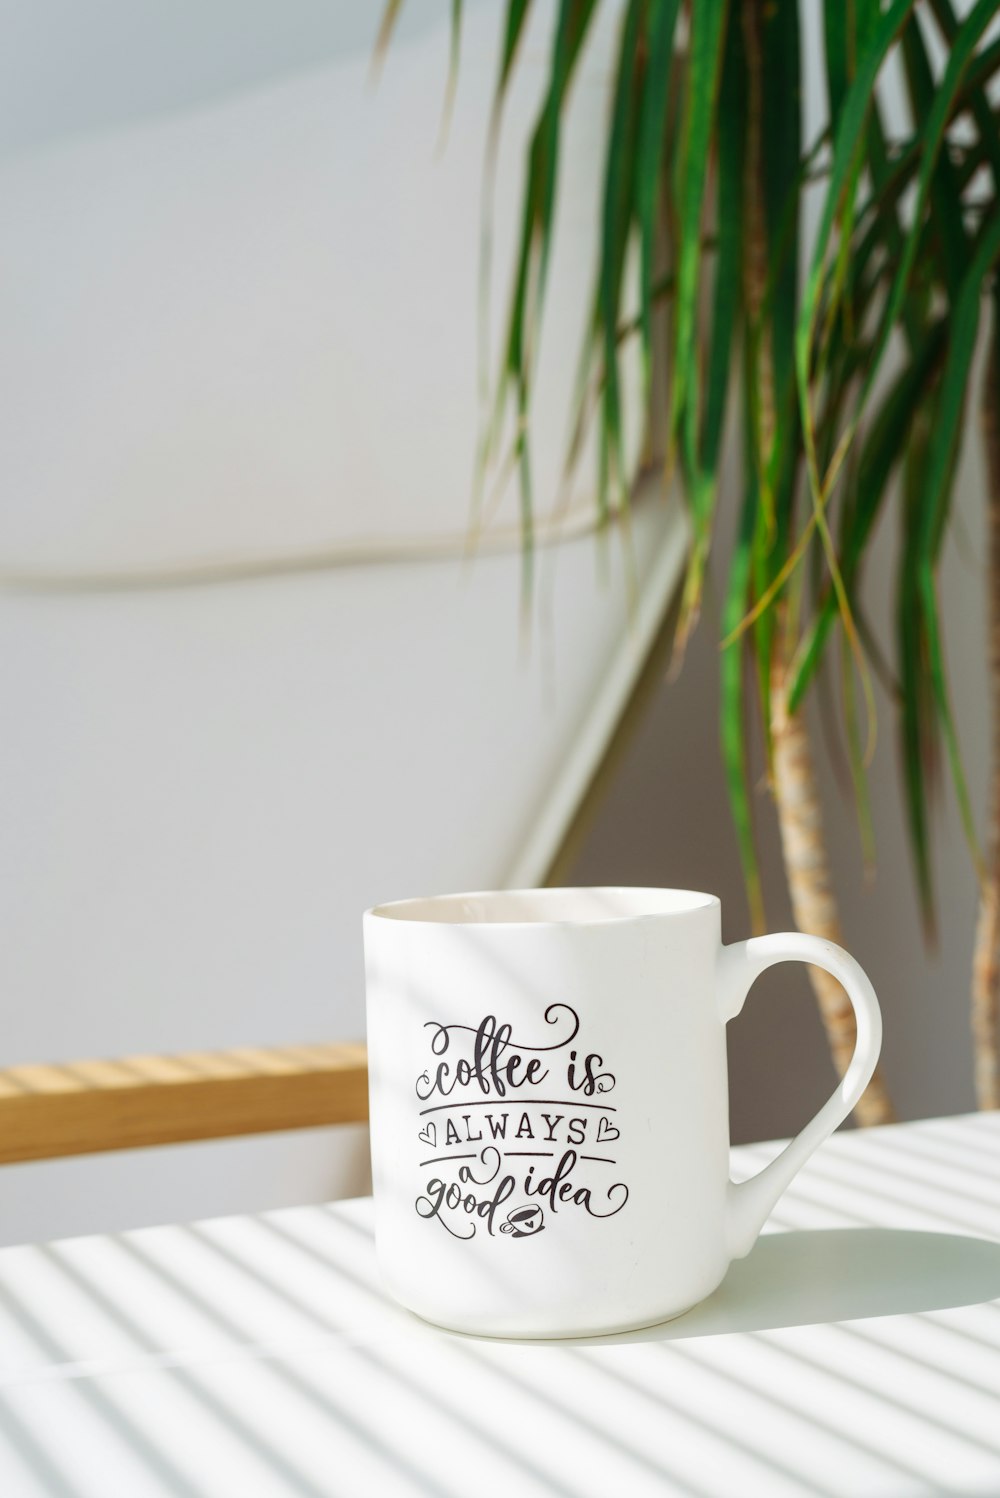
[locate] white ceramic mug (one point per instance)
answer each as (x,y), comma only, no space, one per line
(549,1104)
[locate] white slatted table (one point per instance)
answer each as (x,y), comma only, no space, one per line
(856,1352)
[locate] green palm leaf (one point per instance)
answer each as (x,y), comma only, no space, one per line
(703,70)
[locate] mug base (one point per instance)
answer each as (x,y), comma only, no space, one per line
(645,1323)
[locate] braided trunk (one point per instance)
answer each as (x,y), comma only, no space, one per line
(807,869)
(986,956)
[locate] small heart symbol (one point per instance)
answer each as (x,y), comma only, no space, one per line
(429,1134)
(606,1130)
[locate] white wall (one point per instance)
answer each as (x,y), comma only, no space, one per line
(239,318)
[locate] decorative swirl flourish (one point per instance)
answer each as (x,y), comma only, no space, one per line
(439,1041)
(618,1186)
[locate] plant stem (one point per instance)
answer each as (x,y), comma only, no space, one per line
(807,869)
(986,954)
(796,795)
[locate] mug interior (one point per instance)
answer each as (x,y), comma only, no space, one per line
(547,906)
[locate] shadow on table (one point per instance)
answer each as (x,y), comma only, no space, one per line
(798,1278)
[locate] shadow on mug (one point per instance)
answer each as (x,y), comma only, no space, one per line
(799,1278)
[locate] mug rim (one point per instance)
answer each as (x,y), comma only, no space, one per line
(432,910)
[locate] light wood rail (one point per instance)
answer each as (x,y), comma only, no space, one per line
(87,1107)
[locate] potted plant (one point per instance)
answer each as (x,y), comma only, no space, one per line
(845,347)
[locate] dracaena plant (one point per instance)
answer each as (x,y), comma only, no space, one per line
(846,350)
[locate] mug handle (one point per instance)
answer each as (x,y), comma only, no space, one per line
(750,1202)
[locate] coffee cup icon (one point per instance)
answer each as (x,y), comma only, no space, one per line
(523,1222)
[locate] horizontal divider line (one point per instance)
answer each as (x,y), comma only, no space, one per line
(550,1102)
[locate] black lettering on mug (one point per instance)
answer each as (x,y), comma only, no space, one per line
(487,1063)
